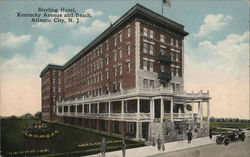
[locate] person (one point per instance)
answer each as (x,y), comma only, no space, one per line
(163,145)
(123,148)
(103,147)
(190,136)
(159,144)
(210,133)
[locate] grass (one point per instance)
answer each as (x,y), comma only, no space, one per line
(65,142)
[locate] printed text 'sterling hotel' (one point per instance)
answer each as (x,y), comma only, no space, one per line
(128,81)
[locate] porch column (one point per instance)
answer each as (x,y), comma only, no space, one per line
(122,109)
(208,109)
(89,107)
(152,108)
(162,109)
(62,110)
(138,130)
(138,108)
(192,104)
(68,109)
(172,110)
(109,108)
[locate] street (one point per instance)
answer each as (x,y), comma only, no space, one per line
(235,149)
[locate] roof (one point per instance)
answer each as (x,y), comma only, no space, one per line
(51,67)
(135,10)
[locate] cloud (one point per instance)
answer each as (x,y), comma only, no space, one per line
(212,23)
(10,40)
(222,68)
(82,19)
(95,27)
(113,18)
(20,82)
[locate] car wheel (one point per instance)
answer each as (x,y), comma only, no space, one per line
(218,141)
(242,137)
(226,141)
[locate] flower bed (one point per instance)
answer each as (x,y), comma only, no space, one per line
(40,130)
(28,152)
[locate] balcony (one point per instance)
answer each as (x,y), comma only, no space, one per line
(164,58)
(164,76)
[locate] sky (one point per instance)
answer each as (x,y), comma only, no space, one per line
(216,49)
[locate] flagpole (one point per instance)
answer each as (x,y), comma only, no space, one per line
(162,8)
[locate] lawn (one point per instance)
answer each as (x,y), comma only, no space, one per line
(65,142)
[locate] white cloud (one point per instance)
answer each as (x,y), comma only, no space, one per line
(113,18)
(213,22)
(93,12)
(82,19)
(20,82)
(222,68)
(11,40)
(95,27)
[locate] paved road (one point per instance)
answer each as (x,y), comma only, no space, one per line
(235,149)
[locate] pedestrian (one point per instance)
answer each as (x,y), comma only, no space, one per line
(153,142)
(210,133)
(159,144)
(123,148)
(190,136)
(103,147)
(163,145)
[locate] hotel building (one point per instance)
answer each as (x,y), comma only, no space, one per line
(128,81)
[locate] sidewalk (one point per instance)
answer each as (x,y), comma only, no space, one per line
(169,147)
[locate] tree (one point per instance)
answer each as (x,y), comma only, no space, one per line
(189,107)
(26,116)
(38,115)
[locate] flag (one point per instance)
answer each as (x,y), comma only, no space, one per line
(166,3)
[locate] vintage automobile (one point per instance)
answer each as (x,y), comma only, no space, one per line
(228,137)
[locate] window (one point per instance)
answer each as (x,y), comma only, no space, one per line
(172,56)
(162,68)
(128,67)
(177,57)
(101,64)
(120,86)
(107,45)
(151,34)
(145,83)
(115,56)
(101,77)
(128,32)
(115,40)
(145,31)
(115,71)
(107,89)
(151,50)
(120,53)
(176,43)
(151,83)
(145,65)
(177,86)
(151,66)
(177,72)
(107,74)
(173,86)
(115,87)
(162,51)
(120,37)
(145,47)
(172,41)
(128,49)
(120,69)
(162,38)
(107,60)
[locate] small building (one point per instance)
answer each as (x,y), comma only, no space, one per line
(128,81)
